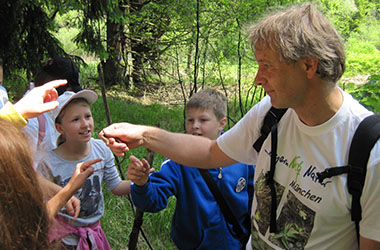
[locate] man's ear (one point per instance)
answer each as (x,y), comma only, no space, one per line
(222,123)
(59,128)
(310,66)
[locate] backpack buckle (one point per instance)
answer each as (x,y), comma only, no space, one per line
(323,175)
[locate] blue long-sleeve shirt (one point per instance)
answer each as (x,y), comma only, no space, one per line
(198,222)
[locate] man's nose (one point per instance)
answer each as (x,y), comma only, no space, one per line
(259,78)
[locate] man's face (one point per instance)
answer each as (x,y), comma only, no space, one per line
(285,82)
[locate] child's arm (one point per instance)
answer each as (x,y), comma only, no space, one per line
(123,188)
(138,171)
(49,189)
(82,172)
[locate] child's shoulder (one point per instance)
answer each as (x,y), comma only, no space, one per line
(99,145)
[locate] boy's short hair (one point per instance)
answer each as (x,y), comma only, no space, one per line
(209,99)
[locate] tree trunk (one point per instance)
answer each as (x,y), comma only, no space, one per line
(113,71)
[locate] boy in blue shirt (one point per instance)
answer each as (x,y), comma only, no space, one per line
(198,222)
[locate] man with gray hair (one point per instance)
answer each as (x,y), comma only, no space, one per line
(301,58)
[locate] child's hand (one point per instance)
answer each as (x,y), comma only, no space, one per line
(138,171)
(73,207)
(39,100)
(81,173)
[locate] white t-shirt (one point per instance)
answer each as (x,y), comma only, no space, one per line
(310,215)
(3,96)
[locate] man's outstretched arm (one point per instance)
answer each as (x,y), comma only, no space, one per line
(189,150)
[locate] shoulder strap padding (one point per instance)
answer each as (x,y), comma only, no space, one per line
(272,117)
(365,137)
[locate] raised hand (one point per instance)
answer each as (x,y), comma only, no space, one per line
(39,100)
(82,171)
(138,171)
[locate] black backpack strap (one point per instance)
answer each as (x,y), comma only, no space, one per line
(270,182)
(270,122)
(226,210)
(272,117)
(365,137)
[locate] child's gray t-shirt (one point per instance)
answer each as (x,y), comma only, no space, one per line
(90,195)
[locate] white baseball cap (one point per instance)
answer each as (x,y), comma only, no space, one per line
(89,95)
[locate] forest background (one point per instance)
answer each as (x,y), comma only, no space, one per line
(153,55)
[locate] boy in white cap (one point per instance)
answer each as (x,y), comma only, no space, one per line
(73,120)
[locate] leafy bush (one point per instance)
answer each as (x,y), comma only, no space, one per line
(363,50)
(367,94)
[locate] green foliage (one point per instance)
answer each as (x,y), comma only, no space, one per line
(367,94)
(26,39)
(363,49)
(67,31)
(16,85)
(343,13)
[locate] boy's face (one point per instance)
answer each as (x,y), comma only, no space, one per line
(77,123)
(203,122)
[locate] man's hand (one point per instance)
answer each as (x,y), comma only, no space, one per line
(138,171)
(39,100)
(120,137)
